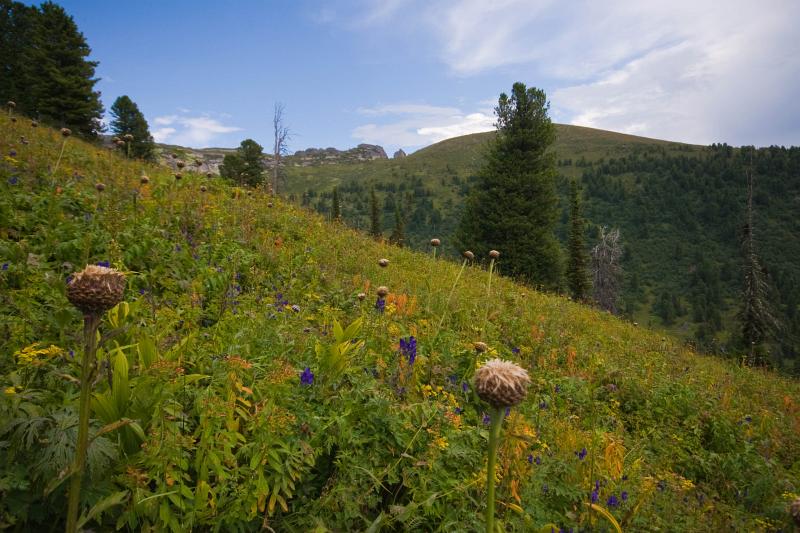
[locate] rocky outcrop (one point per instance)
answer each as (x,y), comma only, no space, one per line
(399,154)
(328,156)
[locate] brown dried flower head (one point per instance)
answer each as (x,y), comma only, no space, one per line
(100,187)
(180,164)
(435,242)
(203,188)
(178,176)
(11,104)
(269,204)
(383,263)
(494,254)
(119,142)
(383,291)
(361,295)
(468,255)
(128,137)
(34,124)
(96,289)
(144,180)
(501,383)
(480,347)
(66,132)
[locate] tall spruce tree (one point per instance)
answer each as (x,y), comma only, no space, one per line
(336,209)
(246,166)
(45,67)
(375,215)
(128,120)
(577,275)
(513,207)
(398,235)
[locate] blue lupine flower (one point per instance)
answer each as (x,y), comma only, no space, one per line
(508,411)
(530,458)
(458,410)
(542,405)
(612,501)
(306,377)
(69,279)
(748,419)
(624,495)
(581,454)
(13,180)
(142,291)
(408,348)
(486,419)
(595,496)
(5,266)
(106,264)
(514,350)
(72,354)
(661,485)
(380,305)
(558,389)
(545,488)
(464,386)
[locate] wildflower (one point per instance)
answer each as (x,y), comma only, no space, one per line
(481,347)
(435,242)
(458,410)
(464,386)
(538,460)
(543,405)
(515,350)
(612,501)
(106,264)
(13,180)
(530,458)
(296,308)
(501,383)
(10,390)
(486,419)
(144,180)
(100,187)
(380,305)
(95,289)
(545,488)
(4,267)
(180,164)
(307,377)
(66,132)
(383,263)
(382,291)
(558,389)
(12,153)
(624,495)
(494,254)
(408,348)
(595,495)
(128,137)
(203,188)
(581,454)
(361,296)
(468,255)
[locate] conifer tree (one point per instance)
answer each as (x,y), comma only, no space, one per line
(577,276)
(398,235)
(246,166)
(375,216)
(128,120)
(336,209)
(513,207)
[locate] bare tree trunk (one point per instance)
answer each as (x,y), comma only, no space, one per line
(281,135)
(606,269)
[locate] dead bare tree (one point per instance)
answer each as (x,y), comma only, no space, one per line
(606,269)
(282,135)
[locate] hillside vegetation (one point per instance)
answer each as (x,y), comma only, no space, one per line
(679,208)
(246,386)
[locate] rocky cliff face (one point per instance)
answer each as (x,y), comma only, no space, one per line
(208,160)
(399,154)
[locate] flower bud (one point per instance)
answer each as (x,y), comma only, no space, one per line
(11,104)
(100,187)
(383,263)
(66,132)
(144,180)
(481,347)
(468,255)
(494,254)
(501,383)
(127,137)
(361,295)
(178,176)
(435,242)
(202,188)
(180,164)
(96,289)
(34,124)
(382,291)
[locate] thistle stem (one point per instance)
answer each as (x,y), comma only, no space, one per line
(450,297)
(58,161)
(90,324)
(488,299)
(494,438)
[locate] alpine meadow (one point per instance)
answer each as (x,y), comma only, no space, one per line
(519,325)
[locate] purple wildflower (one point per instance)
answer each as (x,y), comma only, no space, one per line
(530,458)
(408,348)
(380,305)
(612,501)
(545,488)
(581,454)
(595,496)
(296,308)
(306,377)
(458,410)
(13,180)
(106,264)
(538,460)
(486,419)
(515,350)
(508,411)
(558,389)
(624,495)
(5,266)
(464,386)
(542,405)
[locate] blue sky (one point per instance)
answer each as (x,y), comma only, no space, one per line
(407,73)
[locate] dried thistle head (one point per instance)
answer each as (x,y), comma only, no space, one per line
(494,254)
(480,347)
(383,262)
(203,188)
(361,295)
(96,289)
(269,204)
(180,164)
(100,187)
(144,180)
(34,124)
(11,104)
(119,142)
(66,132)
(501,383)
(127,137)
(435,242)
(468,255)
(178,176)
(383,291)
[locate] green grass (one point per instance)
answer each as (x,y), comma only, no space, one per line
(233,441)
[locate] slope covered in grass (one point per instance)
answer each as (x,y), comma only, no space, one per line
(229,301)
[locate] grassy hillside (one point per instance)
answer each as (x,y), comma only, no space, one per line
(679,208)
(229,300)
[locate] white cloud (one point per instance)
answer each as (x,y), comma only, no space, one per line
(414,125)
(193,131)
(693,70)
